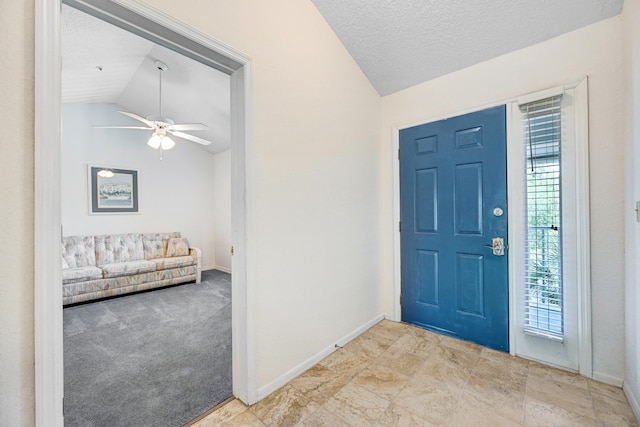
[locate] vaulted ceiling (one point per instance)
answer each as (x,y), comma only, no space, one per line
(397,44)
(400,43)
(102,63)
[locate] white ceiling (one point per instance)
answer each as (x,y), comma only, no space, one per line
(397,43)
(191,91)
(400,43)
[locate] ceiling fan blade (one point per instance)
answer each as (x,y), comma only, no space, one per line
(138,118)
(188,126)
(190,137)
(122,127)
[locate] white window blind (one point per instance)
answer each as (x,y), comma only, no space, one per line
(543,291)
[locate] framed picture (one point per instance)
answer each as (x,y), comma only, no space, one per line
(112,190)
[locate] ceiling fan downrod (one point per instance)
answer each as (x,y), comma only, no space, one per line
(161,66)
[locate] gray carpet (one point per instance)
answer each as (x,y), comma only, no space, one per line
(158,358)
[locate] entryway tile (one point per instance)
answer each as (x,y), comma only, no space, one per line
(400,375)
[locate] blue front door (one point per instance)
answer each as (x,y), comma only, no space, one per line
(453,203)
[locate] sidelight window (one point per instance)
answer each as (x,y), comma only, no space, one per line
(543,293)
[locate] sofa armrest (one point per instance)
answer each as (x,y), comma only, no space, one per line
(196,252)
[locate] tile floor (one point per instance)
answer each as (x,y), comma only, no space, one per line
(400,375)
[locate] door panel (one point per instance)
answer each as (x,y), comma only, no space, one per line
(452,176)
(426,196)
(428,277)
(470,283)
(468,199)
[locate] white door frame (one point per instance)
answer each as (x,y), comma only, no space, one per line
(49,379)
(574,353)
(582,219)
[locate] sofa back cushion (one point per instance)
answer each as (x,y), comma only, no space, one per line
(114,248)
(178,246)
(78,251)
(155,244)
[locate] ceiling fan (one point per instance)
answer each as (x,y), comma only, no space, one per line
(162,126)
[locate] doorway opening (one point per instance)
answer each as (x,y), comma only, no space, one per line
(169,33)
(160,351)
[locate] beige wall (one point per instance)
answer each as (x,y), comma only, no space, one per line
(631,21)
(16,213)
(313,163)
(314,160)
(313,169)
(594,51)
(316,177)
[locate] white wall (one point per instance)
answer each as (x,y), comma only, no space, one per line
(594,51)
(314,170)
(222,209)
(631,19)
(174,194)
(16,214)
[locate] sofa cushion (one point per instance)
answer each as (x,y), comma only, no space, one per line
(178,246)
(155,244)
(80,274)
(78,251)
(174,262)
(127,268)
(116,248)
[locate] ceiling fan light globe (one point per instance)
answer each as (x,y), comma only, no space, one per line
(167,143)
(154,141)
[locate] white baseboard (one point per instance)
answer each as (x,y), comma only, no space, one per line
(633,400)
(607,379)
(274,385)
(216,267)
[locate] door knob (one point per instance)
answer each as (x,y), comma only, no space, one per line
(497,245)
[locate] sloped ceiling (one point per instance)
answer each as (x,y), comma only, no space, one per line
(400,43)
(397,44)
(102,63)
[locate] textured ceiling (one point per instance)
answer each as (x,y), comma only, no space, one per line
(400,43)
(191,91)
(87,43)
(397,43)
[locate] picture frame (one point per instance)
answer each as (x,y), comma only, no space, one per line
(112,190)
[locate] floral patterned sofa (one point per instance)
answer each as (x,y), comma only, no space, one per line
(103,266)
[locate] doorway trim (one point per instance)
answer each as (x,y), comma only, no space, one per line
(48,336)
(583,221)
